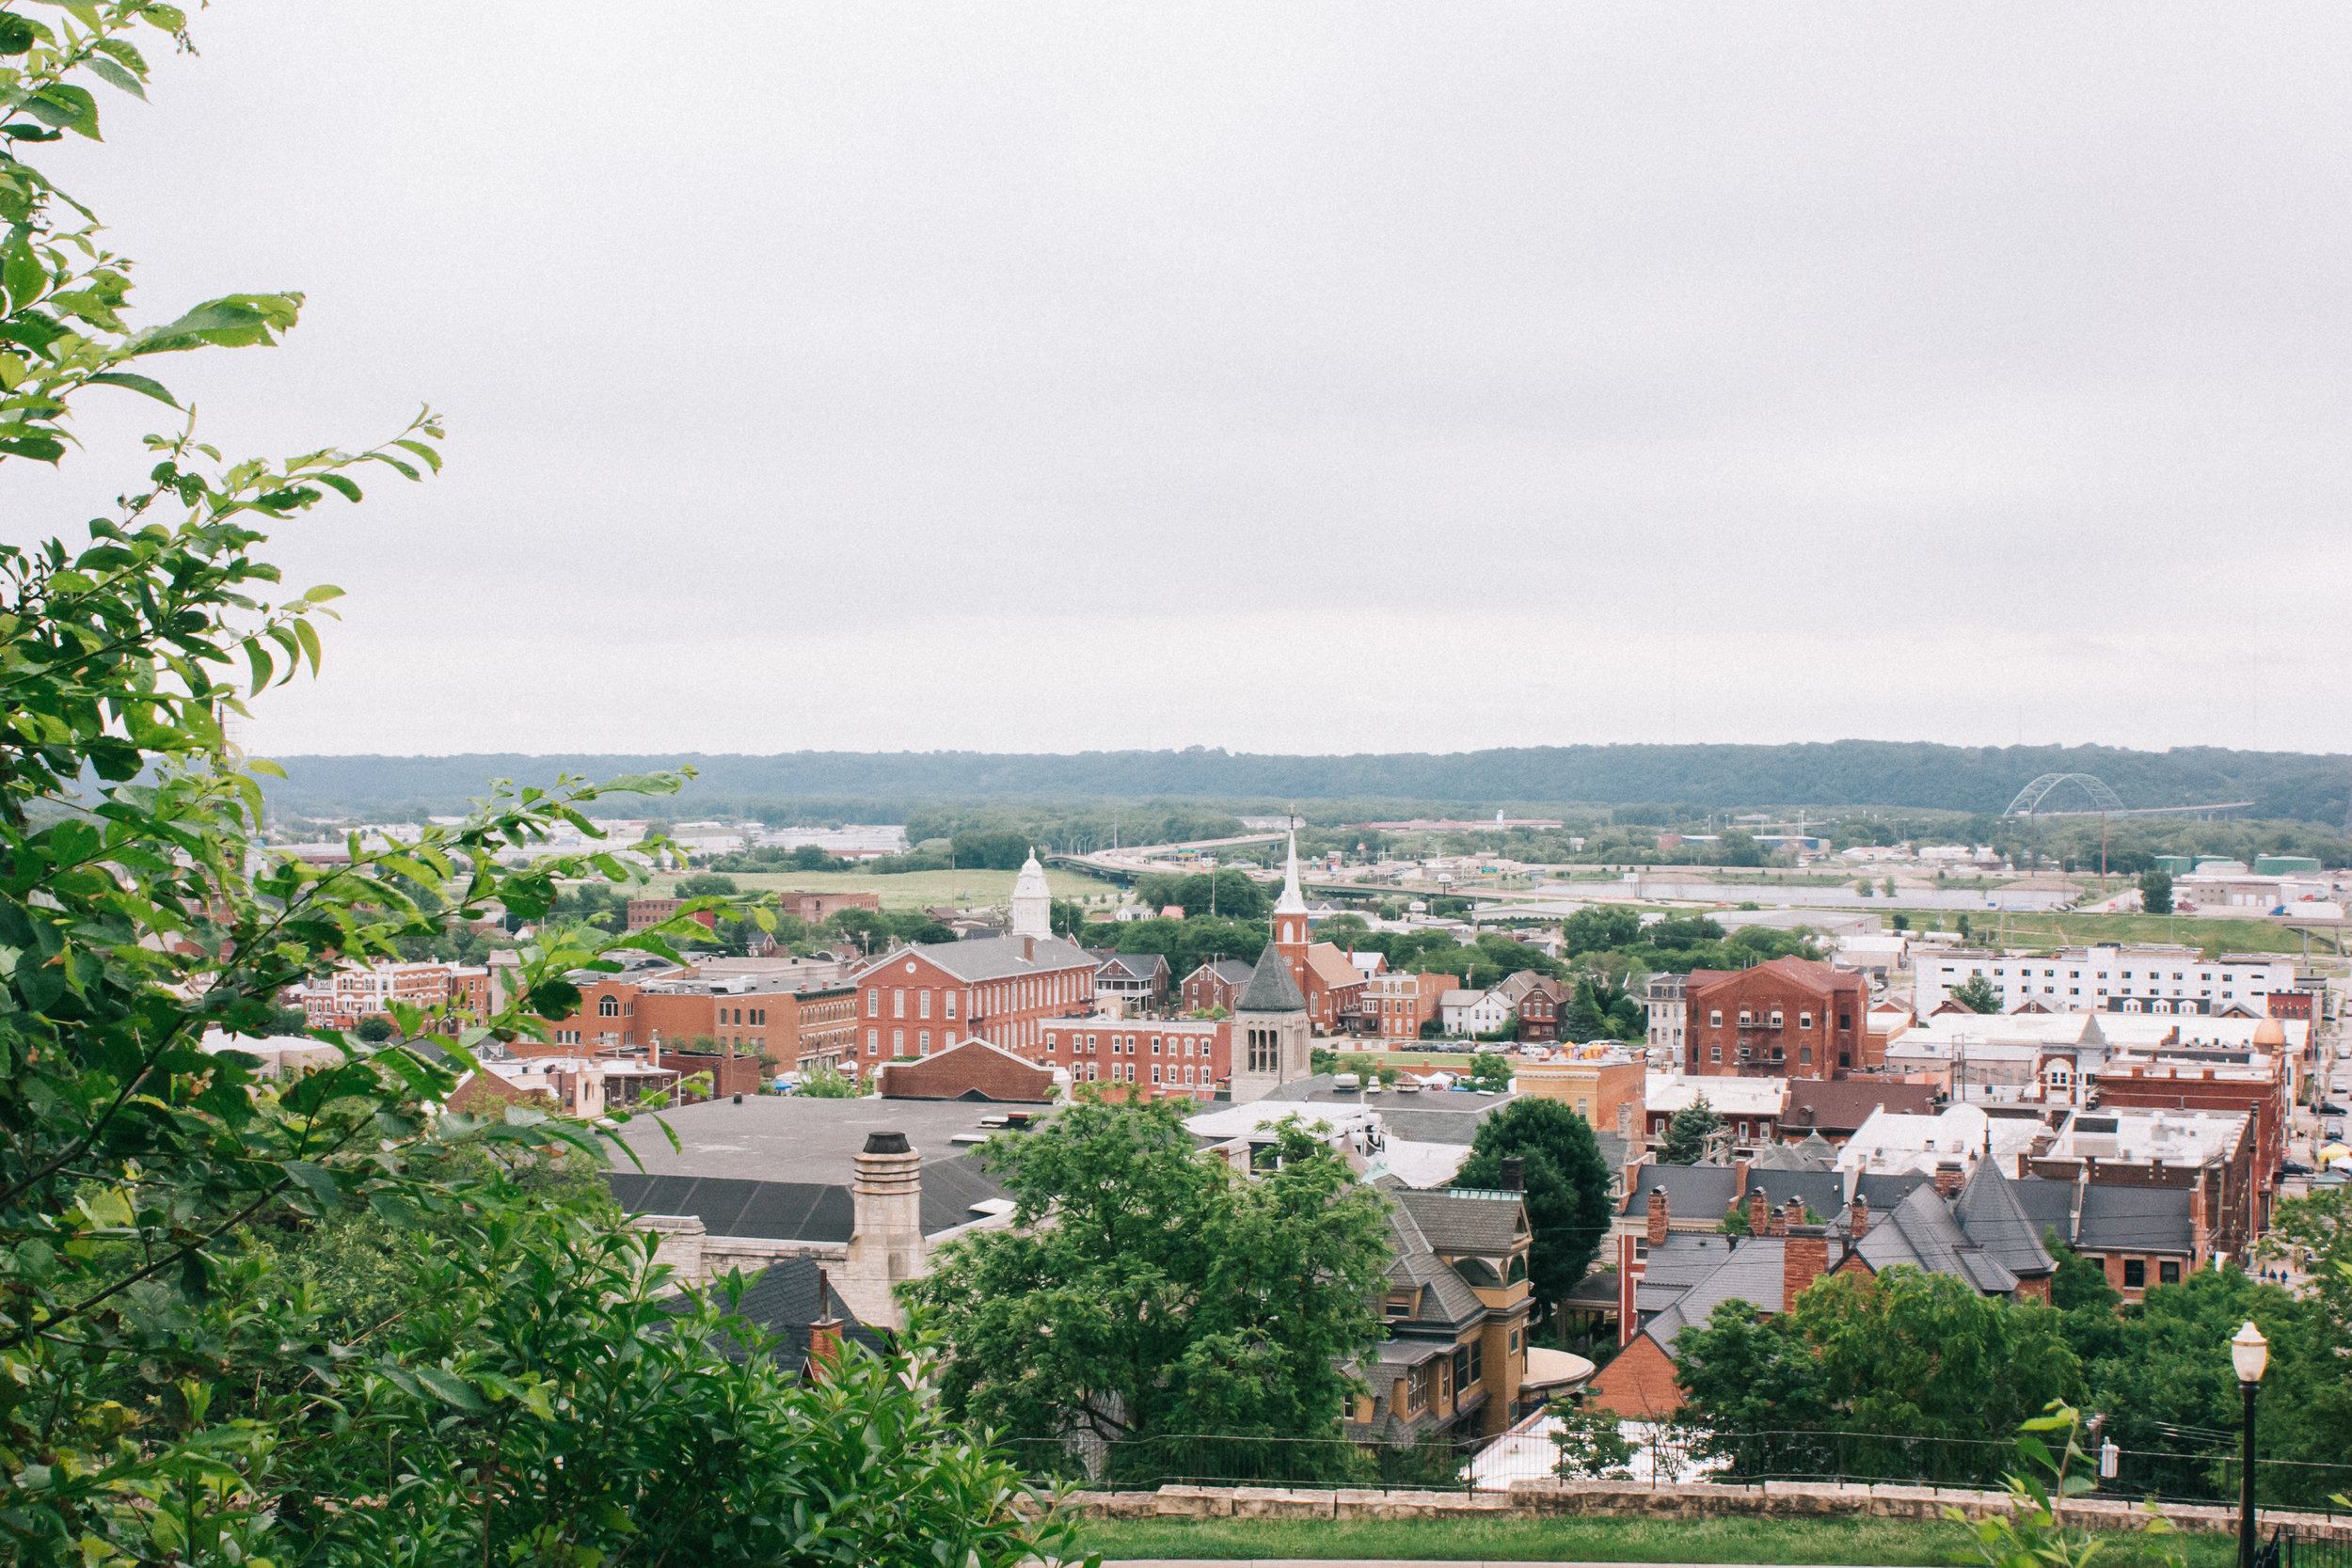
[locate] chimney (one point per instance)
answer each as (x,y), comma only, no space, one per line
(1858,1216)
(1514,1174)
(1948,1178)
(1739,1178)
(1792,1212)
(1804,1259)
(887,1227)
(825,1333)
(1658,1216)
(1760,1213)
(1028,947)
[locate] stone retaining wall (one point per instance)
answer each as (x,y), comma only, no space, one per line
(1621,1500)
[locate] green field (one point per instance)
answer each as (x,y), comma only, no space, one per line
(2235,936)
(914,890)
(1886,1542)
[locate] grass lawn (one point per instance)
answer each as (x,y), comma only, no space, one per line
(1892,1542)
(1378,1057)
(2235,936)
(914,889)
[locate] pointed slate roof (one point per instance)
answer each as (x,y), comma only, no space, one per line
(1989,1211)
(1271,990)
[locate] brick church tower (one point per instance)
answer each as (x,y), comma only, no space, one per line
(1290,921)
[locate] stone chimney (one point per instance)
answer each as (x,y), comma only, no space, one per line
(886,1235)
(1624,1118)
(1658,1216)
(1948,1177)
(1514,1173)
(824,1333)
(1858,1216)
(1760,1213)
(1804,1259)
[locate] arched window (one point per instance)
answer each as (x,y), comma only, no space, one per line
(607,1008)
(1478,1272)
(1518,1270)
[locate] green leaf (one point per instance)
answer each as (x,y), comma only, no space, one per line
(24,275)
(340,485)
(137,383)
(316,1179)
(452,1387)
(107,71)
(262,666)
(67,107)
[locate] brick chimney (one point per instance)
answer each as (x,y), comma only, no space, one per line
(825,1333)
(1760,1213)
(1514,1173)
(1948,1177)
(1858,1216)
(1658,1216)
(1804,1259)
(1792,1212)
(1028,947)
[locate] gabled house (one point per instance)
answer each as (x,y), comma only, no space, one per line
(1456,1307)
(1976,1232)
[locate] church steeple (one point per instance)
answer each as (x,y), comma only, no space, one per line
(1289,916)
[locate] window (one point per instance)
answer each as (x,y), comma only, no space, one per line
(922,1003)
(923,1042)
(1805,1055)
(607,1008)
(1804,1021)
(1715,1021)
(951,1003)
(898,1042)
(2169,1274)
(1155,1072)
(1188,1073)
(873,1042)
(873,1002)
(1478,1359)
(898,1003)
(1155,1046)
(1845,1020)
(1461,1369)
(1714,1052)
(1419,1384)
(2135,1273)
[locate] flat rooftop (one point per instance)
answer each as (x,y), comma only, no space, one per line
(797,1138)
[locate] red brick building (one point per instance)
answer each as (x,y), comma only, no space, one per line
(1395,1005)
(1215,985)
(754,1026)
(1540,1002)
(1002,990)
(644,913)
(973,1070)
(1790,1018)
(1162,1058)
(355,991)
(817,907)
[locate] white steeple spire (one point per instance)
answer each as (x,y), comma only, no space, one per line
(1032,901)
(1291,901)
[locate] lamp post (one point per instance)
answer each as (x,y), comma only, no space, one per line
(2249,1353)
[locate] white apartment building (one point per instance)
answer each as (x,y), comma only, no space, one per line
(2154,980)
(1668,1014)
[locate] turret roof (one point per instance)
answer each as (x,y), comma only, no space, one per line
(1271,990)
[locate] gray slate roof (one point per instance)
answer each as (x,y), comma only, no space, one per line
(783,1301)
(1271,990)
(1465,1221)
(2141,1218)
(978,959)
(1431,1116)
(1750,1271)
(1988,1210)
(1691,1191)
(1821,1190)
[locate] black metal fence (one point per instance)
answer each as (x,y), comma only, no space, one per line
(1662,1454)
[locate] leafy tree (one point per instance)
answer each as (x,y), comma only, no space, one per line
(1591,1443)
(1902,922)
(1976,994)
(824,1083)
(1567,1180)
(166,1395)
(1906,1354)
(703,884)
(1489,1073)
(807,857)
(375,1029)
(2156,892)
(1688,1130)
(864,929)
(1679,931)
(289,1020)
(1171,1296)
(1598,927)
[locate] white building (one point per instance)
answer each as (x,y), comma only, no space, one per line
(2155,980)
(1958,1136)
(1473,1012)
(1668,1013)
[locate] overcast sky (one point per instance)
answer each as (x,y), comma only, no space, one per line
(1279,378)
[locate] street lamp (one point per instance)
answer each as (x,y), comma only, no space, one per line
(2249,1353)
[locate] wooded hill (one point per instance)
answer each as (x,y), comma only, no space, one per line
(870,786)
